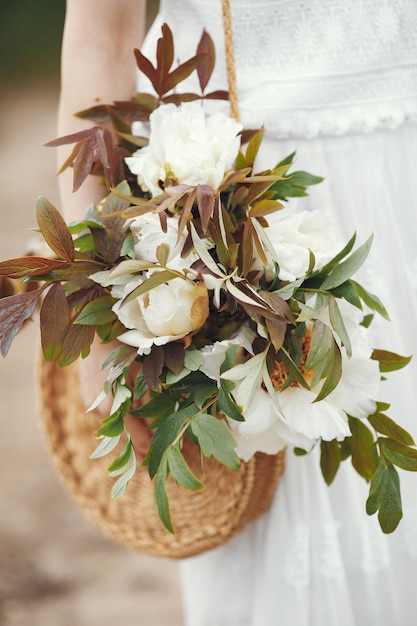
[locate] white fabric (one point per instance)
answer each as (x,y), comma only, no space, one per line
(330,68)
(308,68)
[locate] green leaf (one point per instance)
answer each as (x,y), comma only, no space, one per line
(122,460)
(385,497)
(181,471)
(166,435)
(161,405)
(373,302)
(140,387)
(338,324)
(227,403)
(120,486)
(79,226)
(295,185)
(364,452)
(193,359)
(326,269)
(347,268)
(399,454)
(106,445)
(97,312)
(113,425)
(215,439)
(320,345)
(386,426)
(329,460)
(332,370)
(161,498)
(85,243)
(151,283)
(390,361)
(348,292)
(229,358)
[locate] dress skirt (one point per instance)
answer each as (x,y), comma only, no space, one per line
(316,558)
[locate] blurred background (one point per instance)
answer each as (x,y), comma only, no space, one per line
(55,569)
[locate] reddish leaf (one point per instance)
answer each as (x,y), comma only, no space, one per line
(276,329)
(217,95)
(54,321)
(205,68)
(54,229)
(174,356)
(103,145)
(152,367)
(14,311)
(164,54)
(30,266)
(278,305)
(178,98)
(82,135)
(70,160)
(147,68)
(6,287)
(84,162)
(77,341)
(205,203)
(182,72)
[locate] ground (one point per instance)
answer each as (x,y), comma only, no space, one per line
(55,569)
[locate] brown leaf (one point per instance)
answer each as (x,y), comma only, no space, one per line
(220,94)
(109,241)
(174,356)
(54,229)
(206,67)
(164,53)
(84,162)
(54,321)
(77,342)
(14,311)
(278,305)
(276,329)
(205,203)
(147,68)
(153,364)
(82,135)
(182,72)
(6,287)
(31,266)
(178,98)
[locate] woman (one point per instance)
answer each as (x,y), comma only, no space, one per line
(336,81)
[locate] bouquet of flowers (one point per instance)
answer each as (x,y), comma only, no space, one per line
(243,315)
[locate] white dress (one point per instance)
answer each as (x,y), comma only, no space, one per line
(335,80)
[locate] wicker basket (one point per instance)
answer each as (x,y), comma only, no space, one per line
(202,519)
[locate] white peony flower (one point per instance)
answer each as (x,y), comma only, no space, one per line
(187,147)
(214,354)
(148,235)
(293,234)
(264,429)
(294,417)
(166,313)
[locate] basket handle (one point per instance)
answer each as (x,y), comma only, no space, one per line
(230,59)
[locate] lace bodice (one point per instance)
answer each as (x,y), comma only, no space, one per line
(308,68)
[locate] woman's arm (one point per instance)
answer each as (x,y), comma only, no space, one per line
(97,66)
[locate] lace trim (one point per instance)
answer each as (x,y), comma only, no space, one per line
(322,66)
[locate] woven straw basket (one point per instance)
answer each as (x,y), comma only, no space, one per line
(202,519)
